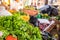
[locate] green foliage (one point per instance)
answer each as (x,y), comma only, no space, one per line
(16,26)
(58,17)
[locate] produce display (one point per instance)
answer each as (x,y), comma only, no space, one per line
(12,11)
(29,7)
(58,17)
(30,12)
(45,16)
(31,21)
(25,17)
(15,28)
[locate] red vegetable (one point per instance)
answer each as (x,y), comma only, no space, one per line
(10,37)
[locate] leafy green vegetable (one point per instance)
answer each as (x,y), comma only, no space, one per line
(16,26)
(58,17)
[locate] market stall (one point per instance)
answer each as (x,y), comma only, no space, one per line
(28,20)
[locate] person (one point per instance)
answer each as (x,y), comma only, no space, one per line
(49,9)
(5,5)
(15,5)
(3,11)
(33,20)
(38,6)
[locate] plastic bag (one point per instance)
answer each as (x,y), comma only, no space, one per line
(44,21)
(4,12)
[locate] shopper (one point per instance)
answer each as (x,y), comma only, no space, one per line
(33,20)
(49,9)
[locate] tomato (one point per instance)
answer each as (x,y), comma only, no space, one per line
(14,38)
(10,37)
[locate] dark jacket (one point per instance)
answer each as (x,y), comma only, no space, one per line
(50,11)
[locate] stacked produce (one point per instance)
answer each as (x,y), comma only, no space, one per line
(58,17)
(15,28)
(29,7)
(45,16)
(30,10)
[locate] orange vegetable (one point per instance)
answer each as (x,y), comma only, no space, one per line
(30,12)
(25,18)
(12,11)
(10,37)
